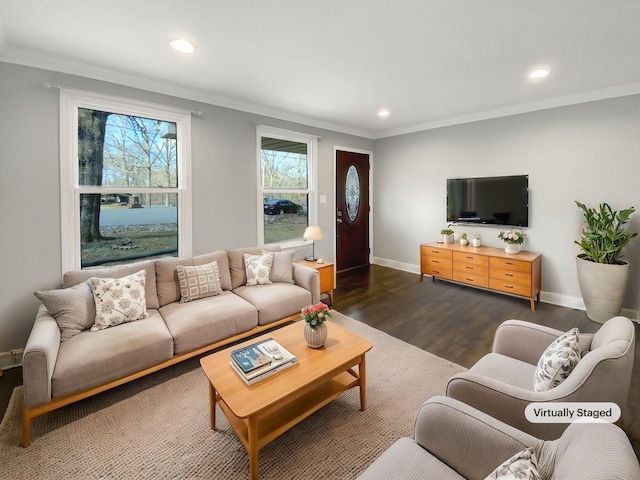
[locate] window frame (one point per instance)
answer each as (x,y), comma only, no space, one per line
(70,190)
(311,190)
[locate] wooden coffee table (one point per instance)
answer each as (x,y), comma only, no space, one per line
(261,412)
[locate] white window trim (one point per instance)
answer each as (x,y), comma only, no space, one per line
(312,187)
(70,190)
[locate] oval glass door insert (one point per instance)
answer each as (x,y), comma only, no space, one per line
(352,193)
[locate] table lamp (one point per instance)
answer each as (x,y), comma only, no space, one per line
(312,233)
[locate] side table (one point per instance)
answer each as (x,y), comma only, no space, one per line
(327,276)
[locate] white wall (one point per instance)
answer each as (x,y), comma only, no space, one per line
(588,152)
(223,179)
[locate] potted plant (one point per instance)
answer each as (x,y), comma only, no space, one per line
(513,239)
(447,235)
(602,273)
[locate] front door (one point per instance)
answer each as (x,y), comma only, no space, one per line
(352,210)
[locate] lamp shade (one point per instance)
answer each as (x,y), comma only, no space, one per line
(312,233)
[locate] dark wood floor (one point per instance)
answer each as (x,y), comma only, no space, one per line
(448,320)
(457,322)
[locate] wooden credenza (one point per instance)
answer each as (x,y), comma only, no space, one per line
(484,267)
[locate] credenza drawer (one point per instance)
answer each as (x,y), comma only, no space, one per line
(470,268)
(470,258)
(508,264)
(510,287)
(471,278)
(511,276)
(437,271)
(435,252)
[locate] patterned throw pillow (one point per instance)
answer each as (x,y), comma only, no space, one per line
(119,300)
(557,361)
(73,308)
(282,266)
(199,281)
(258,269)
(522,466)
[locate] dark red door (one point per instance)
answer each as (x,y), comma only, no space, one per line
(352,210)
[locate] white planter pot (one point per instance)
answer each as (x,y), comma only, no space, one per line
(512,248)
(602,287)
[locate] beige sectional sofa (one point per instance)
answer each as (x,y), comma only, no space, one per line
(59,370)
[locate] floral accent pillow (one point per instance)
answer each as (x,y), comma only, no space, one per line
(199,281)
(557,361)
(258,269)
(118,300)
(522,466)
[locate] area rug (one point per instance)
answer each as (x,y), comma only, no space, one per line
(158,427)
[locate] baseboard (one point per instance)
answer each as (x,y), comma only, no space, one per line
(11,359)
(553,298)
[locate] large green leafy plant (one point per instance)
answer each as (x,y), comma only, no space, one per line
(604,235)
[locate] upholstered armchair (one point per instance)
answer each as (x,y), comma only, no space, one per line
(454,441)
(501,383)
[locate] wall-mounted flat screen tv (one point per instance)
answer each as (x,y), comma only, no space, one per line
(489,200)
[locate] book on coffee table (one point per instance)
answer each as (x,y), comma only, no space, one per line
(279,358)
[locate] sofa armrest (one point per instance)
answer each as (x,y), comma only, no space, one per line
(309,279)
(39,359)
(467,440)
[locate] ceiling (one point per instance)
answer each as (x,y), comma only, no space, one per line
(335,63)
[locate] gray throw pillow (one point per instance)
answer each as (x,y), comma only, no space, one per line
(198,281)
(281,267)
(73,308)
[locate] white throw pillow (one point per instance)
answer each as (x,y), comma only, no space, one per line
(258,269)
(73,308)
(119,300)
(199,281)
(282,266)
(522,466)
(557,361)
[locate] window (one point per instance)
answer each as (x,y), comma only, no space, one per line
(286,185)
(124,180)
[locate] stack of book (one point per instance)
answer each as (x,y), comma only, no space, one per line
(261,360)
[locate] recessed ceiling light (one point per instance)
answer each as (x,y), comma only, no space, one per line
(539,73)
(383,113)
(182,45)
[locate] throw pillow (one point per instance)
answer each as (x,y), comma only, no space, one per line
(73,308)
(522,466)
(281,267)
(118,300)
(557,361)
(258,269)
(198,281)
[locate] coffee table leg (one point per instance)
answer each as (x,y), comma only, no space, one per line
(362,373)
(212,405)
(252,448)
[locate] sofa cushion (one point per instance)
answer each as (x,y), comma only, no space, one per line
(75,277)
(237,266)
(557,361)
(73,308)
(94,358)
(258,269)
(208,320)
(522,466)
(198,281)
(275,301)
(281,267)
(119,300)
(167,275)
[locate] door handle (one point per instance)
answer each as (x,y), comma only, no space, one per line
(339,220)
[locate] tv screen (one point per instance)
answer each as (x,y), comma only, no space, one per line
(489,200)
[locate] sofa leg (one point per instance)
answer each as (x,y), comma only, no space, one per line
(26,426)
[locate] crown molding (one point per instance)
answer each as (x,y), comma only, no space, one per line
(555,102)
(71,67)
